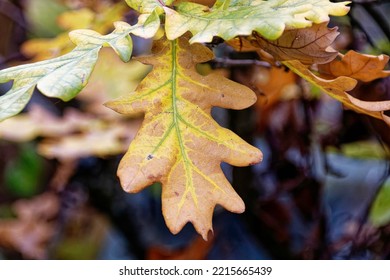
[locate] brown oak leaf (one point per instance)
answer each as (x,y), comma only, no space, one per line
(362,67)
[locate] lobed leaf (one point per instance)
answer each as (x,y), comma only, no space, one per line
(65,76)
(338,87)
(147,6)
(179,144)
(45,48)
(363,67)
(380,211)
(228,19)
(309,45)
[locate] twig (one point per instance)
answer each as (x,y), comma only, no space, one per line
(225,62)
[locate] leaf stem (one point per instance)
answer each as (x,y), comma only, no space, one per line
(240,62)
(161,3)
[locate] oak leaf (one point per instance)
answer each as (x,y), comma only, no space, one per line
(148,6)
(179,144)
(338,87)
(65,76)
(45,48)
(362,67)
(309,45)
(228,19)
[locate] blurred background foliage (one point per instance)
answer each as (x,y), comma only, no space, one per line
(322,191)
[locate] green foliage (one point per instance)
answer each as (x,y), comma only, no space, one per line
(380,211)
(23,175)
(228,19)
(65,76)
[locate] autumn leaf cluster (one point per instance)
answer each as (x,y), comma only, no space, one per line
(179,143)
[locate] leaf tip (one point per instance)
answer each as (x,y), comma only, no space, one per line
(256,156)
(208,235)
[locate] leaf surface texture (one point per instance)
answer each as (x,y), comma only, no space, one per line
(179,143)
(65,76)
(228,19)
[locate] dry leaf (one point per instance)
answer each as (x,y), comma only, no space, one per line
(179,144)
(308,45)
(337,88)
(363,67)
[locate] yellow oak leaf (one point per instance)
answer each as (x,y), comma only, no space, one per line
(179,144)
(363,67)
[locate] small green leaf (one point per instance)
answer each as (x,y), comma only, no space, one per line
(228,20)
(65,76)
(22,175)
(148,6)
(380,212)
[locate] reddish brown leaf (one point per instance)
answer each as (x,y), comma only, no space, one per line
(337,88)
(363,67)
(309,45)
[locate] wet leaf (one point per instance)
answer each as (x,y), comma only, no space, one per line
(179,144)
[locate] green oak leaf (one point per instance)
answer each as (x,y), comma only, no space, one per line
(147,6)
(228,19)
(65,76)
(380,211)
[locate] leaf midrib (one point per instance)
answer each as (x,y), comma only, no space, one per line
(176,123)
